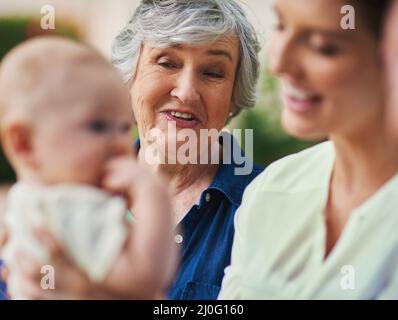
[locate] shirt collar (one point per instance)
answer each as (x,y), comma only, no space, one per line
(227,181)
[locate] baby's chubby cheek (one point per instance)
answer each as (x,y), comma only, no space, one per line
(87,169)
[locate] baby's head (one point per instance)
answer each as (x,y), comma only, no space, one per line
(64,112)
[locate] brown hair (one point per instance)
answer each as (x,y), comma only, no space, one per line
(373,12)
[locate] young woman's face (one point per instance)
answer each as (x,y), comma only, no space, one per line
(330,77)
(391,54)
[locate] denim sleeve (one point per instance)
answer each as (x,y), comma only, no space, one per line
(3,295)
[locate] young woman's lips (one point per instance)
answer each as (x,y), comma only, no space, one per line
(179,121)
(301,105)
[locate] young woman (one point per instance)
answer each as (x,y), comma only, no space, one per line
(322,224)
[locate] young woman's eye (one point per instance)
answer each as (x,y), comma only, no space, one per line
(321,45)
(99,126)
(328,50)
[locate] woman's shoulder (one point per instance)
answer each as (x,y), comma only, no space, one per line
(299,170)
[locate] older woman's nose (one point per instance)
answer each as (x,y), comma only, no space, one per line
(186,88)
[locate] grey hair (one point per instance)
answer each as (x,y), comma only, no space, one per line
(174,22)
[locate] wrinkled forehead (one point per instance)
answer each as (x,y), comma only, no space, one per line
(226,43)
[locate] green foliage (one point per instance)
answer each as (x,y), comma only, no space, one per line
(6,172)
(13,31)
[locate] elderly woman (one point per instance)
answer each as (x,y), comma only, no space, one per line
(190,65)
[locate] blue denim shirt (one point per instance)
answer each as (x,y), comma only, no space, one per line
(2,286)
(207,235)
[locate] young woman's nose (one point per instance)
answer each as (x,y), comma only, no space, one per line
(284,57)
(186,87)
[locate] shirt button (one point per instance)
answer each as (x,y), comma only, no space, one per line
(208,197)
(178,238)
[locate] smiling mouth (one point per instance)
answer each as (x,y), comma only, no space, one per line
(182,119)
(182,115)
(299,100)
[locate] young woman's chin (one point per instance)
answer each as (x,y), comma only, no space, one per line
(302,128)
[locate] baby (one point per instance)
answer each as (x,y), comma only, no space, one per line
(65,125)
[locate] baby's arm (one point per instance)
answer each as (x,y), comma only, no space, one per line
(146,265)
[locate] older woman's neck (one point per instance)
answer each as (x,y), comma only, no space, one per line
(185,176)
(191,176)
(187,182)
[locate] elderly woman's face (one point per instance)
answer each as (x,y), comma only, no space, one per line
(391,61)
(189,86)
(331,78)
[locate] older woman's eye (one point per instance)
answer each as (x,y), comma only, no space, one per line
(167,64)
(214,74)
(99,126)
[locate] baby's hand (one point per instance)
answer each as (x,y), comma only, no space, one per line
(126,176)
(150,252)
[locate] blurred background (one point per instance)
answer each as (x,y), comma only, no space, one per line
(98,21)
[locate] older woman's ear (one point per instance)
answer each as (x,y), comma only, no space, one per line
(234,110)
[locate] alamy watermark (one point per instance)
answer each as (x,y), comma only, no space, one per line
(347,22)
(347,281)
(47,21)
(47,281)
(210,146)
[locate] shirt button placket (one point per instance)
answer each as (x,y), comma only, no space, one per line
(178,238)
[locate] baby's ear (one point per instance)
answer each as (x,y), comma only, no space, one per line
(18,144)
